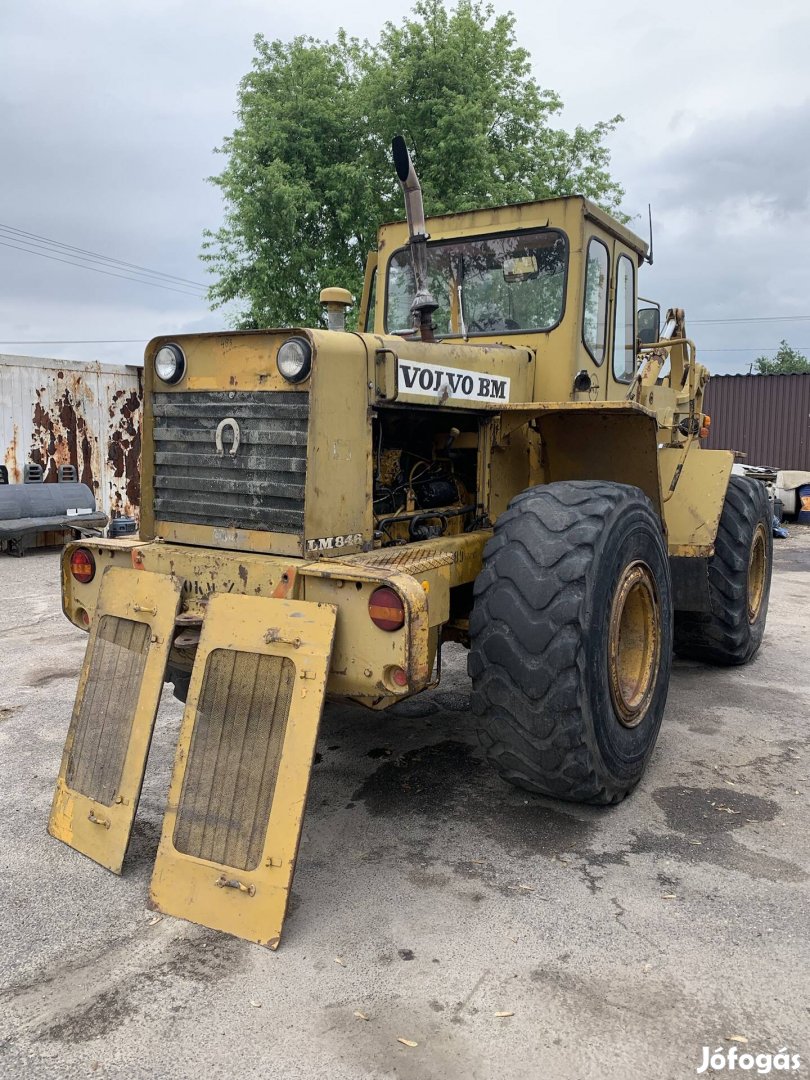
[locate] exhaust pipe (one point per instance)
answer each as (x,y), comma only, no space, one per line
(423,304)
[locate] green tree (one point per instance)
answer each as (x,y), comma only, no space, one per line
(788,361)
(308,176)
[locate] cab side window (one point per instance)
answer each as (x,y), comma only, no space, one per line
(368,325)
(624,345)
(594,313)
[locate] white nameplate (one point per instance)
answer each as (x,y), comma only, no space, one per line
(440,383)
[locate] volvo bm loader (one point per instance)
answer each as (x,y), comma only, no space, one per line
(506,454)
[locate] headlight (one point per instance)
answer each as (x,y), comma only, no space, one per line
(294,359)
(170,364)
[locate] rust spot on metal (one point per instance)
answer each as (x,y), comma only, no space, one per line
(61,436)
(287,584)
(116,397)
(116,453)
(124,454)
(14,474)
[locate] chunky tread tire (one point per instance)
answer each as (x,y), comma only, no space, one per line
(726,637)
(538,635)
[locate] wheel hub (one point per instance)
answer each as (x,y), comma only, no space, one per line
(634,643)
(757,573)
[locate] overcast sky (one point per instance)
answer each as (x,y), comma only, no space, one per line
(110,112)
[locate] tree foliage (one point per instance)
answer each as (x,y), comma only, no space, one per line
(788,361)
(308,176)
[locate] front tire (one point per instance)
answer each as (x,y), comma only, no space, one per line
(739,582)
(571,640)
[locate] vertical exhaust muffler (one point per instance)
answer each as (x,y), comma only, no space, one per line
(423,304)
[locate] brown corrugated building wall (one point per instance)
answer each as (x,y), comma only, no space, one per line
(765,417)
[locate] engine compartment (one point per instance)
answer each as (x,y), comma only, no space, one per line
(425,474)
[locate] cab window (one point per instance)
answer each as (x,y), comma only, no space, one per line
(624,345)
(372,304)
(491,285)
(594,314)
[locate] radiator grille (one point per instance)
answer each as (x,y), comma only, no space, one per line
(101,726)
(260,487)
(234,757)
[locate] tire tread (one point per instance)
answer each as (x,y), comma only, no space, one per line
(527,628)
(725,636)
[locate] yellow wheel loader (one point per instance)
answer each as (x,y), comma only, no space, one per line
(505,454)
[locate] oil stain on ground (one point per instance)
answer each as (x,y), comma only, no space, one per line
(45,678)
(449,777)
(700,827)
(100,1016)
(425,780)
(203,957)
(707,811)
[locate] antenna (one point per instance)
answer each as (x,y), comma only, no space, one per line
(650,252)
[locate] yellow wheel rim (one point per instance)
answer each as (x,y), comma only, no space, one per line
(634,643)
(757,573)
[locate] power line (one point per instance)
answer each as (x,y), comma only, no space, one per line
(754,348)
(86,265)
(94,255)
(98,270)
(758,319)
(33,247)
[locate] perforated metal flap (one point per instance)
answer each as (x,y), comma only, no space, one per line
(108,739)
(236,801)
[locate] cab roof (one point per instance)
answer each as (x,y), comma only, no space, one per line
(518,215)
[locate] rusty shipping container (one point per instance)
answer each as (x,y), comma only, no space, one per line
(60,412)
(764,417)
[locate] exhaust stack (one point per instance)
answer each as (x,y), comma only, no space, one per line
(423,304)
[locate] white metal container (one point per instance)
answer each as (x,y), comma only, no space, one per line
(63,412)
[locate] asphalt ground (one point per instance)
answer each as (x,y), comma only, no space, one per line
(429,897)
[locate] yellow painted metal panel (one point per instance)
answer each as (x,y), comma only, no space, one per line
(480,359)
(363,652)
(609,441)
(339,479)
(230,539)
(694,489)
(244,757)
(108,739)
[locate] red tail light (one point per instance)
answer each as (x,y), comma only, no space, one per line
(83,565)
(386,609)
(399,676)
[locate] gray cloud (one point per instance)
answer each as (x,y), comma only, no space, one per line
(109,115)
(761,158)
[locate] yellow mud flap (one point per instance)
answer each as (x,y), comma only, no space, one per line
(108,739)
(238,790)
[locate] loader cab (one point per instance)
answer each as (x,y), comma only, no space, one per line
(558,276)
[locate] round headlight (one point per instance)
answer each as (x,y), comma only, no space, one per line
(294,359)
(170,364)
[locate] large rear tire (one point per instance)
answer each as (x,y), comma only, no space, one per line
(571,640)
(739,582)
